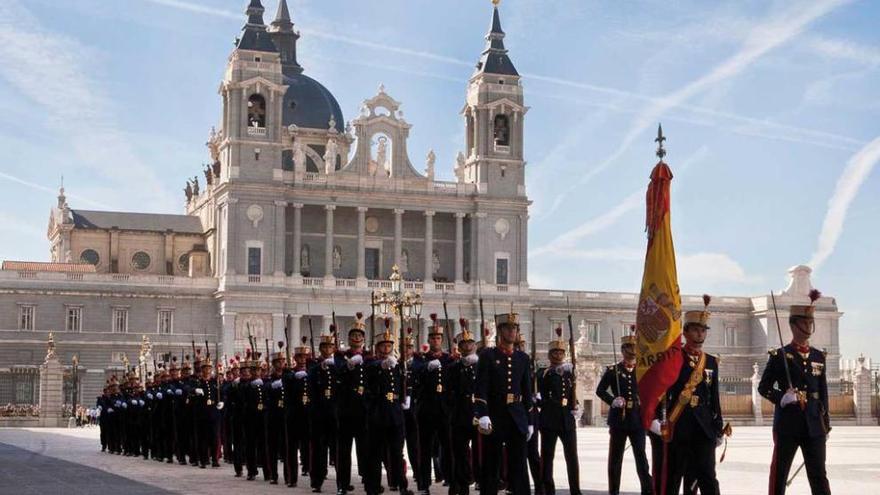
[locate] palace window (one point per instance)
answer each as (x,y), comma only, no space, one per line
(256,111)
(730,336)
(183,262)
(90,256)
(254,261)
(26,316)
(74,319)
(593,331)
(120,320)
(140,261)
(501,130)
(501,271)
(165,321)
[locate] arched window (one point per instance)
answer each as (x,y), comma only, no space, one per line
(502,130)
(256,111)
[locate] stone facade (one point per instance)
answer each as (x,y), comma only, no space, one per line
(303,215)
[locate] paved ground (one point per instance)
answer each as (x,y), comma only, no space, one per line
(50,461)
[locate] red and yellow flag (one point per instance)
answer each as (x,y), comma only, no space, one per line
(658,320)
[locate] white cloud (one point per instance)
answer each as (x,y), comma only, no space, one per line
(39,187)
(51,70)
(868,56)
(857,170)
(704,269)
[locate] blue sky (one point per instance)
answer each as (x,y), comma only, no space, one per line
(771,109)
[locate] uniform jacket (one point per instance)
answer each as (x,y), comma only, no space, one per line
(504,390)
(808,375)
(385,395)
(352,387)
(557,399)
(462,386)
(701,416)
(432,387)
(631,419)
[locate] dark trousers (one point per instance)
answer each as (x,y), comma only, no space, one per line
(207,436)
(226,435)
(349,431)
(569,449)
(616,448)
(238,442)
(517,481)
(533,455)
(433,427)
(323,433)
(255,444)
(297,433)
(462,470)
(411,427)
(693,458)
(813,450)
(274,435)
(385,442)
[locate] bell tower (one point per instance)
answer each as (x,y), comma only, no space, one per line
(252,90)
(493,115)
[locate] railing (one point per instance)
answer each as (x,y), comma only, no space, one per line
(254,279)
(27,275)
(120,277)
(346,282)
(501,287)
(312,177)
(413,285)
(109,278)
(166,279)
(444,287)
(313,281)
(75,276)
(256,131)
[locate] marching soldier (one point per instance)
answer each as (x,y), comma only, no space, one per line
(533,448)
(275,425)
(624,417)
(557,419)
(352,406)
(254,405)
(432,405)
(387,400)
(226,412)
(465,439)
(800,416)
(411,424)
(102,405)
(694,424)
(206,412)
(502,401)
(297,409)
(323,385)
(237,408)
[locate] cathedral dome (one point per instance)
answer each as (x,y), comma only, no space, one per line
(307,103)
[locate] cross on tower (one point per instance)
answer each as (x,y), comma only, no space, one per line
(660,138)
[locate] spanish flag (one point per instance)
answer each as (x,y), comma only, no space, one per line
(658,319)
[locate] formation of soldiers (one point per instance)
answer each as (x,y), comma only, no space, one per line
(474,416)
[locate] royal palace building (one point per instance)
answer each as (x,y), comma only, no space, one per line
(303,214)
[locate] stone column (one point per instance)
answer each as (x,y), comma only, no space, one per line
(280,231)
(756,397)
(328,243)
(479,260)
(862,394)
(459,248)
(398,235)
(232,246)
(523,275)
(228,338)
(297,239)
(361,246)
(51,388)
(295,332)
(429,246)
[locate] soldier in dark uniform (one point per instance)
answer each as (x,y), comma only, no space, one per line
(465,439)
(386,404)
(533,446)
(226,412)
(275,425)
(694,426)
(255,399)
(800,416)
(297,411)
(432,405)
(101,404)
(352,406)
(323,387)
(162,416)
(624,417)
(114,413)
(559,409)
(502,401)
(237,406)
(207,409)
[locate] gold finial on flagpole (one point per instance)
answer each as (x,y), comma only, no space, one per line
(496,2)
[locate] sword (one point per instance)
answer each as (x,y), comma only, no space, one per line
(788,483)
(801,400)
(616,374)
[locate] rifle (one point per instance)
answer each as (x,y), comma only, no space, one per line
(372,318)
(534,354)
(802,402)
(207,350)
(616,374)
(484,339)
(287,337)
(311,334)
(571,350)
(267,352)
(333,315)
(194,347)
(446,327)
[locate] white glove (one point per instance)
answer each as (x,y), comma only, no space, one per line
(125,405)
(220,405)
(99,408)
(200,391)
(170,392)
(355,360)
(159,395)
(406,403)
(719,441)
(257,383)
(329,362)
(236,381)
(618,402)
(389,363)
(150,396)
(141,402)
(134,402)
(530,433)
(276,384)
(434,365)
(300,375)
(577,413)
(538,397)
(470,359)
(118,403)
(789,398)
(485,423)
(655,427)
(110,410)
(563,368)
(178,392)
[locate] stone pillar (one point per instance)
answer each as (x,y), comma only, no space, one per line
(51,388)
(429,246)
(398,235)
(523,251)
(459,248)
(297,239)
(228,336)
(756,397)
(232,247)
(328,244)
(280,231)
(361,246)
(295,331)
(479,261)
(862,394)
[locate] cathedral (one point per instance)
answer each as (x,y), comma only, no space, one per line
(303,215)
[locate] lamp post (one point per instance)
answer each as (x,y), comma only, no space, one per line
(75,385)
(400,303)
